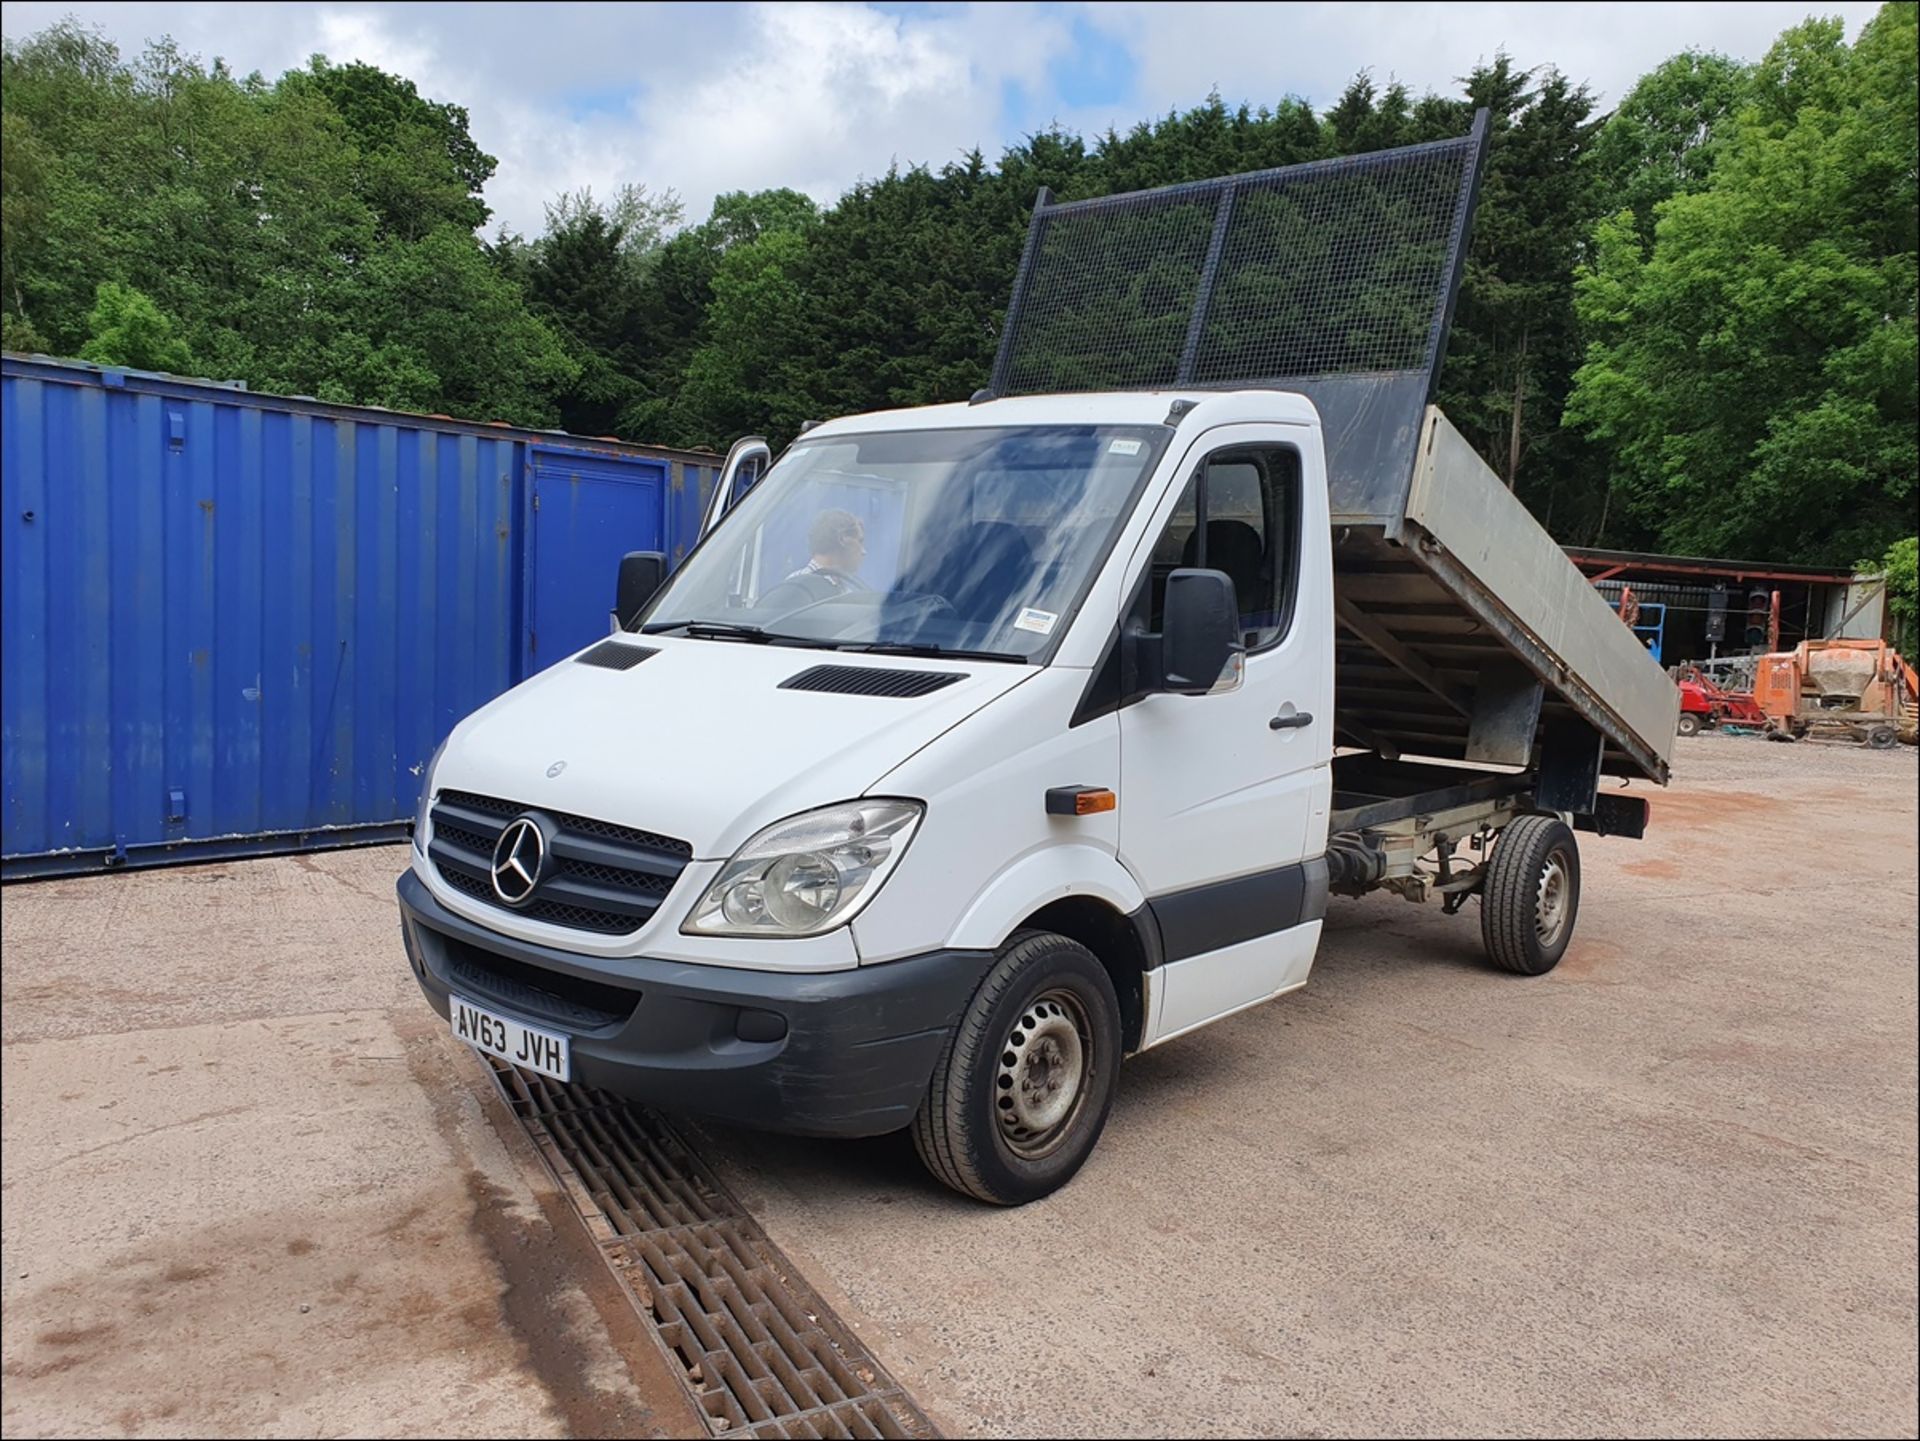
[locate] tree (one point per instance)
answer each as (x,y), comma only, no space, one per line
(313,235)
(126,328)
(674,320)
(586,278)
(23,212)
(417,165)
(1900,564)
(1664,137)
(1755,375)
(743,373)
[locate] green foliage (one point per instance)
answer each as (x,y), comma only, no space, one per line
(288,233)
(1754,375)
(697,334)
(126,328)
(585,277)
(17,334)
(415,162)
(1663,139)
(1901,564)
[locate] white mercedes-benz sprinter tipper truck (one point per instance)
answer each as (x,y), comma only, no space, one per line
(980,745)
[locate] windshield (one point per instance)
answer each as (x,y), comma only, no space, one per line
(978,542)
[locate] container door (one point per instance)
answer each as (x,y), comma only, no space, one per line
(588,511)
(1223,796)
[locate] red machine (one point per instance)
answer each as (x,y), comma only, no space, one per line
(1704,703)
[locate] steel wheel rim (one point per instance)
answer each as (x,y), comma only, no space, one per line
(1040,1083)
(1555,901)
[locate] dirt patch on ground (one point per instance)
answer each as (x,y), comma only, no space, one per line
(1655,870)
(1698,809)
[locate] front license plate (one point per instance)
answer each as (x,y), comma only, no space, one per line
(540,1051)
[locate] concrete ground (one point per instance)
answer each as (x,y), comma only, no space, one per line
(252,1187)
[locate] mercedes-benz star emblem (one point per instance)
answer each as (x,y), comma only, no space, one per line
(517,858)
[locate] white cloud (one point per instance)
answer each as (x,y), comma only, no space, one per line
(824,94)
(706,98)
(1263,53)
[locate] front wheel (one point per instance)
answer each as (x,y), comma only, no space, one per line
(1689,723)
(1532,895)
(1022,1088)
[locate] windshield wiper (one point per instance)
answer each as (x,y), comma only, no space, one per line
(732,630)
(881,647)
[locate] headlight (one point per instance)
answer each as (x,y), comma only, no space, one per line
(809,873)
(426,799)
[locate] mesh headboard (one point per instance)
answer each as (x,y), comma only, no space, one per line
(1336,278)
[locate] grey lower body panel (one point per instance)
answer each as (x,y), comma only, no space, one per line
(840,1053)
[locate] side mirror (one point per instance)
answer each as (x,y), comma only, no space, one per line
(1201,649)
(641,572)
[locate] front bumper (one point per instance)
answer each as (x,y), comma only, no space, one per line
(836,1053)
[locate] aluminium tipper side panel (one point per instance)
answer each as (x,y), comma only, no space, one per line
(1482,544)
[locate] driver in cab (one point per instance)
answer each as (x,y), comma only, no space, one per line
(837,548)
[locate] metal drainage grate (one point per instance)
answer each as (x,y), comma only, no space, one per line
(755,1344)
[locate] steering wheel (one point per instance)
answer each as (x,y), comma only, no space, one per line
(935,604)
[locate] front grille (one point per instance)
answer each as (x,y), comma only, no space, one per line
(546,995)
(598,876)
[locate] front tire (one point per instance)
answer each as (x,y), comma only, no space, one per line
(1532,896)
(1689,723)
(1022,1088)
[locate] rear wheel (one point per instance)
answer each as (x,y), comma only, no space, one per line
(1882,738)
(1021,1091)
(1689,723)
(1532,895)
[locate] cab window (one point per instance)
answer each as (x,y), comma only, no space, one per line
(1250,498)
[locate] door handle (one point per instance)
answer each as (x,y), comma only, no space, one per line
(1290,722)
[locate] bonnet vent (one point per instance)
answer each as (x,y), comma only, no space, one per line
(616,655)
(871,680)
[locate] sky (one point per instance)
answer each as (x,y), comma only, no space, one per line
(705,98)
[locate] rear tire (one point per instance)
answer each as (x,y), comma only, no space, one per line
(1022,1088)
(1689,723)
(1532,895)
(1882,738)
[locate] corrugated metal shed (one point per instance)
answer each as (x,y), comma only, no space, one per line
(237,622)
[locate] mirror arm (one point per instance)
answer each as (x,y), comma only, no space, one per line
(1143,661)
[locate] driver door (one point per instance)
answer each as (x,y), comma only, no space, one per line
(746,462)
(1223,795)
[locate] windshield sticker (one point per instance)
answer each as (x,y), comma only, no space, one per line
(1040,622)
(1124,447)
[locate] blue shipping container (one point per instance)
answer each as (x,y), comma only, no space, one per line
(237,623)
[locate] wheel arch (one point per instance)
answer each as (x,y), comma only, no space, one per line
(1085,894)
(1128,946)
